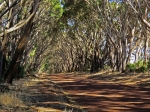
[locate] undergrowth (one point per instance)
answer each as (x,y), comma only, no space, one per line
(139,66)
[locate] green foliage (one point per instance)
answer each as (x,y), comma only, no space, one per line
(77,9)
(131,67)
(45,65)
(25,9)
(32,53)
(142,69)
(139,66)
(107,67)
(139,63)
(148,65)
(56,9)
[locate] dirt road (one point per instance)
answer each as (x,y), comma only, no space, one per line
(95,95)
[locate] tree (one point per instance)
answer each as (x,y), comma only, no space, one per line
(18,24)
(111,36)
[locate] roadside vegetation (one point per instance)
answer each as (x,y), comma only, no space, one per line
(139,67)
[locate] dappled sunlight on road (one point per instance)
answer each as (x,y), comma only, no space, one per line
(141,79)
(98,95)
(48,97)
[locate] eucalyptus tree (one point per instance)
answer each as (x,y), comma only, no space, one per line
(141,10)
(17,20)
(72,36)
(6,15)
(95,33)
(123,31)
(82,37)
(45,33)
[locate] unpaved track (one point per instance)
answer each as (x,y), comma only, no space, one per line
(99,96)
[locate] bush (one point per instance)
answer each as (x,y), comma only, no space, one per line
(107,67)
(142,69)
(148,65)
(140,66)
(139,63)
(131,67)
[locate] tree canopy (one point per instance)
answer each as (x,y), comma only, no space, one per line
(72,35)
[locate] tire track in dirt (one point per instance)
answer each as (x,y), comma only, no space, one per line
(101,96)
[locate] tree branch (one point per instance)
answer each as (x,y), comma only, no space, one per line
(19,25)
(12,5)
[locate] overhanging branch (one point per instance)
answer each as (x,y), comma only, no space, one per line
(17,26)
(12,5)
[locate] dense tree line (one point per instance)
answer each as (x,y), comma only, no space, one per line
(75,35)
(98,34)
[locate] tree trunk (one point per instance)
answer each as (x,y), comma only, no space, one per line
(1,63)
(21,46)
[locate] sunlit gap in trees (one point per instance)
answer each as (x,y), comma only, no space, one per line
(149,15)
(117,1)
(71,22)
(61,4)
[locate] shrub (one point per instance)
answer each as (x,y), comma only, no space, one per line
(148,65)
(142,69)
(139,66)
(107,67)
(131,67)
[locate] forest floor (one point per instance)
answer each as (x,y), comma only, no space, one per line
(80,92)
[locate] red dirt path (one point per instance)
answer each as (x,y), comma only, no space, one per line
(99,96)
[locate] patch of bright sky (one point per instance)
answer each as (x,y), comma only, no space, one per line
(60,3)
(118,1)
(149,15)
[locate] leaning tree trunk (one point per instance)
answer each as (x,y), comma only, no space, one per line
(1,63)
(3,48)
(146,41)
(12,70)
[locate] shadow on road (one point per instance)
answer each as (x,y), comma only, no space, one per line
(48,97)
(97,95)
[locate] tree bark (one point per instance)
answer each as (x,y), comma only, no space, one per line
(21,45)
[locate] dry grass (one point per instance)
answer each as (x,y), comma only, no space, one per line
(27,83)
(10,100)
